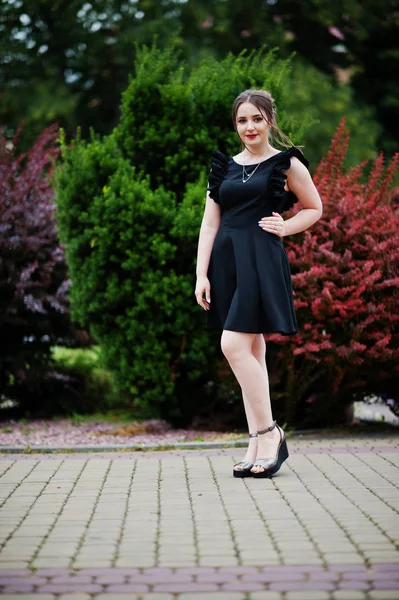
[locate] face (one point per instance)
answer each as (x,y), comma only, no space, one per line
(251,125)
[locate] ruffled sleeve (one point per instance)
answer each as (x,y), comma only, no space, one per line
(219,165)
(279,197)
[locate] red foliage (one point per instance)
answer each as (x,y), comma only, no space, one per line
(345,277)
(33,304)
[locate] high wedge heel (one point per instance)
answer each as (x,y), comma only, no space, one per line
(270,466)
(245,464)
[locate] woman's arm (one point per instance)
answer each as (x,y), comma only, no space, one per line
(300,183)
(209,227)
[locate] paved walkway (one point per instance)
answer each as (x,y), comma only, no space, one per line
(177,526)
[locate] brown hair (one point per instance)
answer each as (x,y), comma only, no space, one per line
(264,102)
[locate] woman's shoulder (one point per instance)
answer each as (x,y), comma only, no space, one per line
(281,198)
(219,162)
(219,156)
(286,156)
(219,166)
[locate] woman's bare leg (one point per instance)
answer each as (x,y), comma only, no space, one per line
(254,382)
(258,349)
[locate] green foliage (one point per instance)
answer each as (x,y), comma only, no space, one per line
(172,115)
(315,95)
(86,365)
(86,360)
(130,252)
(70,59)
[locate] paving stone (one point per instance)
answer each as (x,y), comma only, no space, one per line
(263,596)
(28,597)
(48,562)
(32,580)
(308,595)
(348,595)
(219,561)
(281,575)
(180,577)
(87,564)
(242,587)
(185,587)
(74,596)
(387,585)
(302,586)
(127,588)
(211,596)
(12,564)
(383,557)
(72,579)
(18,587)
(67,588)
(351,558)
(354,585)
(140,597)
(383,595)
(133,562)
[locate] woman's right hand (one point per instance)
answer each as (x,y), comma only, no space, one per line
(203,292)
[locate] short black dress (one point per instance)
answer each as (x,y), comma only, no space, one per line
(249,273)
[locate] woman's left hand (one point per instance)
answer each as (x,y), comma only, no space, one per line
(274,224)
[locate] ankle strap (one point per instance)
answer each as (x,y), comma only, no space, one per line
(253,434)
(268,428)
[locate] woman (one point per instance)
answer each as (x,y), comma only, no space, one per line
(243,275)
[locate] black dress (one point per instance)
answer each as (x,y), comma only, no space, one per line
(249,273)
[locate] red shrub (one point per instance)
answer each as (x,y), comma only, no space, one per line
(345,276)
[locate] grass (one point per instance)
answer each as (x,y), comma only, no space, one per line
(90,357)
(121,415)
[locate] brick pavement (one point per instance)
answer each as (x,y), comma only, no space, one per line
(177,526)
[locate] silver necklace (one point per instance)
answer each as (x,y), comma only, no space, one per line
(247,176)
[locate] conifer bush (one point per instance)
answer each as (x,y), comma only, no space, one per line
(131,280)
(173,115)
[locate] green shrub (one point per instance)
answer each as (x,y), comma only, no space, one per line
(172,116)
(315,95)
(130,252)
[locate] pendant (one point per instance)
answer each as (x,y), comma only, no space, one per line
(244,173)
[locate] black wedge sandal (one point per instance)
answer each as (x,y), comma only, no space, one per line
(245,464)
(272,465)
